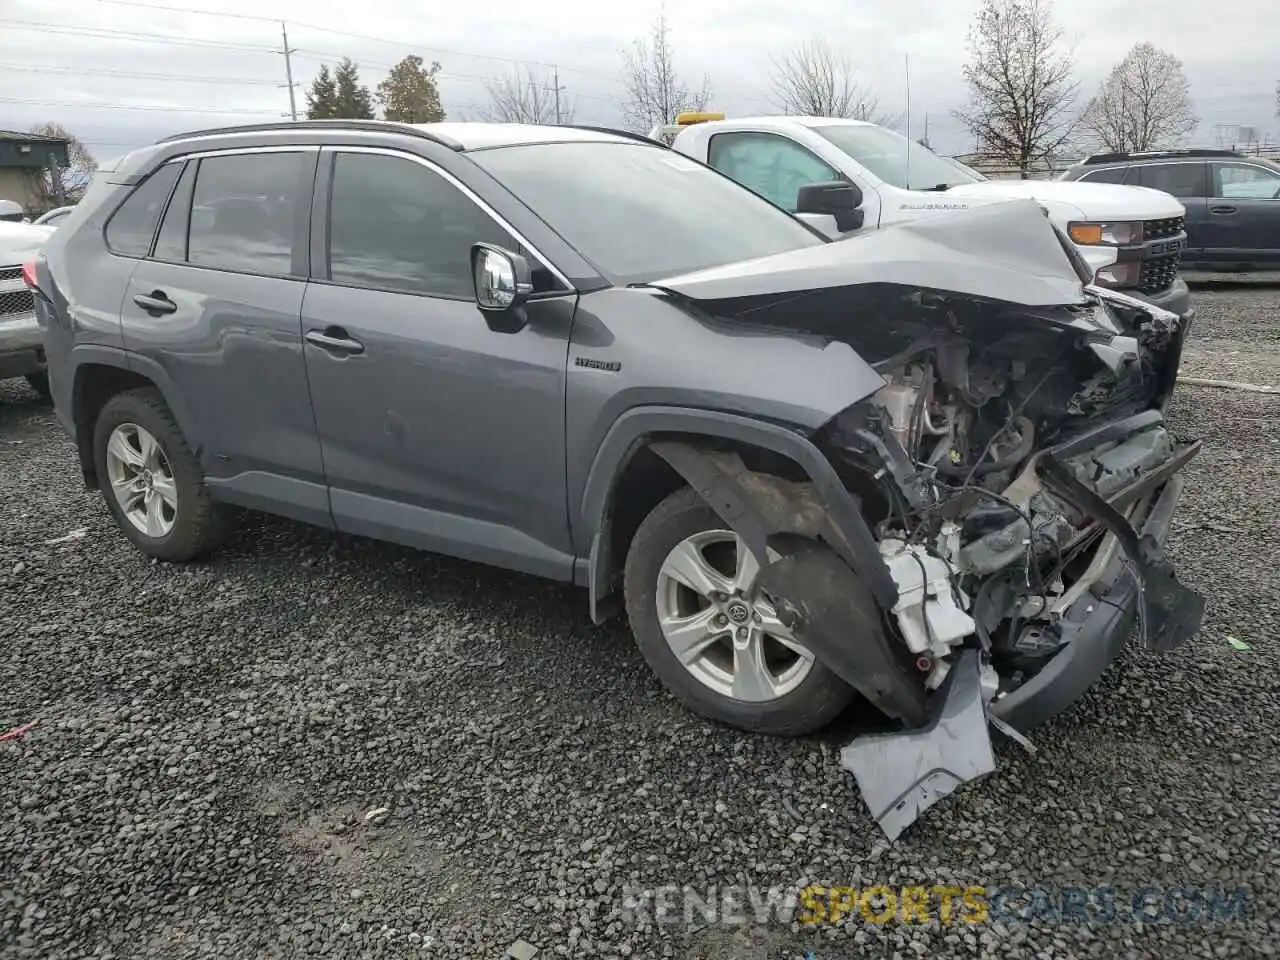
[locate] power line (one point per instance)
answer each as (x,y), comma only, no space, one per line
(354,36)
(130,75)
(134,35)
(136,106)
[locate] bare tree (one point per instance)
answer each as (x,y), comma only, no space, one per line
(655,93)
(58,185)
(526,98)
(1020,85)
(1144,103)
(813,80)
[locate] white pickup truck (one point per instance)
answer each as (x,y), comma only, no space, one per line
(1131,237)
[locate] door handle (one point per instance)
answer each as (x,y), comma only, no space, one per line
(1223,210)
(335,340)
(155,303)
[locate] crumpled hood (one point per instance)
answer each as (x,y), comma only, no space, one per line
(20,242)
(1004,251)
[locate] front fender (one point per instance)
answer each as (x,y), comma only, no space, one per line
(639,426)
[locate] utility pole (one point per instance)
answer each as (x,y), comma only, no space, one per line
(288,69)
(555,79)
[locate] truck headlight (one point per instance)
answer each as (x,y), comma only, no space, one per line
(1105,234)
(1124,274)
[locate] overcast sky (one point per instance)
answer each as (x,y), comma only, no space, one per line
(99,68)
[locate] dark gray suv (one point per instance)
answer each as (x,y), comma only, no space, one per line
(1232,201)
(915,464)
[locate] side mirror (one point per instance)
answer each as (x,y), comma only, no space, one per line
(502,279)
(835,198)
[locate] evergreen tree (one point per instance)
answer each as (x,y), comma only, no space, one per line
(322,98)
(409,93)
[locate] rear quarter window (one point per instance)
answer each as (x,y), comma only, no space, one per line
(133,226)
(1107,175)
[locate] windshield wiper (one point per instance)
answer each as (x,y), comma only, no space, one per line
(936,188)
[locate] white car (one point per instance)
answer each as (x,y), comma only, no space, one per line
(21,342)
(1130,237)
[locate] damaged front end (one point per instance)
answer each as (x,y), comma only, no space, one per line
(1018,476)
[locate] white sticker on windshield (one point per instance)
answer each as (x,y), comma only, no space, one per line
(680,163)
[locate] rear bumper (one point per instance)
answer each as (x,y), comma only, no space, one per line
(1101,621)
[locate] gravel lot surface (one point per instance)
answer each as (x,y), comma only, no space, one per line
(212,737)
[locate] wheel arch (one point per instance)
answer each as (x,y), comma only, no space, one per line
(651,451)
(100,373)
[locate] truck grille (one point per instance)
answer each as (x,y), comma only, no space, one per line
(1160,229)
(1159,273)
(15,298)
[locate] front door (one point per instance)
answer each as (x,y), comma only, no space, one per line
(437,430)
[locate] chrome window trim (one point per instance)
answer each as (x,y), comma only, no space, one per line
(466,191)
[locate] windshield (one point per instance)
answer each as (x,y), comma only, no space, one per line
(885,153)
(639,212)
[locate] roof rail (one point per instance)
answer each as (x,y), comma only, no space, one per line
(626,134)
(1158,155)
(381,126)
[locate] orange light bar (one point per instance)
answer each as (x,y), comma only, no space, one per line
(685,119)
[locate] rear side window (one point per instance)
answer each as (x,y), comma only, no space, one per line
(133,226)
(171,243)
(1179,179)
(1109,175)
(244,212)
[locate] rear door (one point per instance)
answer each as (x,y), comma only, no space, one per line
(1246,208)
(1188,181)
(216,306)
(439,430)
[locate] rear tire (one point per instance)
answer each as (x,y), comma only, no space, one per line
(808,695)
(39,382)
(151,480)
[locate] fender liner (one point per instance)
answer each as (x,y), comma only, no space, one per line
(643,426)
(103,355)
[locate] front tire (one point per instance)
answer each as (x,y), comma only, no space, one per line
(711,639)
(151,480)
(39,382)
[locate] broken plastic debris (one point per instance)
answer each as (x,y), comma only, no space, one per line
(377,815)
(901,775)
(73,535)
(17,732)
(1237,644)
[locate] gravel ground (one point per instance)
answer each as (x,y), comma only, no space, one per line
(212,737)
(1235,336)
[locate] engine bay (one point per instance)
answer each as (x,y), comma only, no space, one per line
(978,546)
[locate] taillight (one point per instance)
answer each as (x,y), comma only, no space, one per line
(29,274)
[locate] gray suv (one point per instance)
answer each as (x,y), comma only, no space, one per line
(915,464)
(1232,201)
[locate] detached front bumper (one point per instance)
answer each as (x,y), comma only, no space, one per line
(1101,621)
